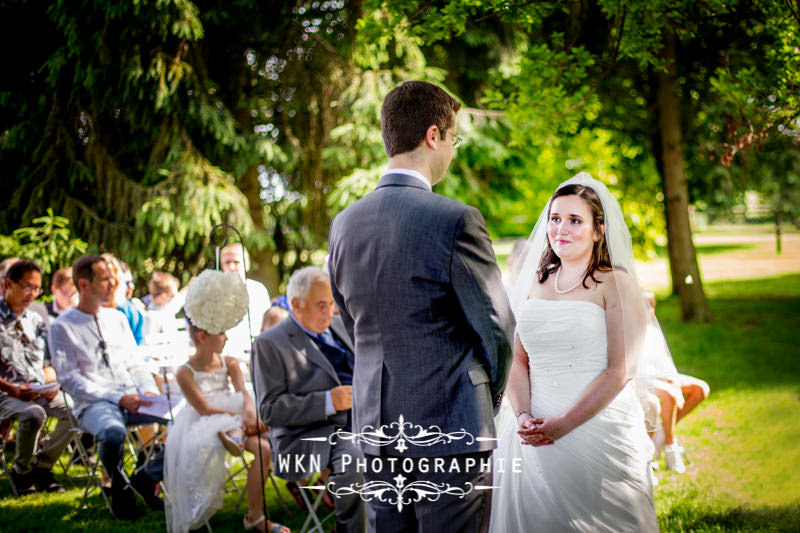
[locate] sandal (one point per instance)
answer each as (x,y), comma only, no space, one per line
(248,525)
(294,490)
(233,443)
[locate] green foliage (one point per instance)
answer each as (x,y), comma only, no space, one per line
(146,122)
(747,357)
(576,86)
(49,242)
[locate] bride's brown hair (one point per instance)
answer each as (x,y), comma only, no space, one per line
(600,258)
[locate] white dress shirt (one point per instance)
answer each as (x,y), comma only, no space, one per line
(78,357)
(412,173)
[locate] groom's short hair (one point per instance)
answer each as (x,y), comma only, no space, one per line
(409,110)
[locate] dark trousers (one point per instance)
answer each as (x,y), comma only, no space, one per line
(467,509)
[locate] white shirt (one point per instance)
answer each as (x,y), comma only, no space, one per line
(412,173)
(78,358)
(240,340)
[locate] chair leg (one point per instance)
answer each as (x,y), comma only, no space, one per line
(92,481)
(312,509)
(278,492)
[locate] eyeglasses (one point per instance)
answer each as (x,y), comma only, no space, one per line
(456,139)
(34,289)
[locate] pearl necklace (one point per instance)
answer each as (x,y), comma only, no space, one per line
(565,291)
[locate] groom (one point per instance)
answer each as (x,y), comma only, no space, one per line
(417,286)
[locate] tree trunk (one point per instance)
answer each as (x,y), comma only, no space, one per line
(682,257)
(262,267)
(778,222)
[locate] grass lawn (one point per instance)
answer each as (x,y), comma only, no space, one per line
(744,441)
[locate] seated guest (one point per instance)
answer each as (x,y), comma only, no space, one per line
(678,393)
(303,371)
(163,289)
(92,346)
(65,295)
(679,396)
(273,317)
(122,292)
(24,362)
(234,258)
(37,307)
(215,416)
(161,305)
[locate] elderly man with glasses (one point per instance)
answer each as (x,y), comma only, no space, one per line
(24,369)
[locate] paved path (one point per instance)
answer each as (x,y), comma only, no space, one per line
(757,260)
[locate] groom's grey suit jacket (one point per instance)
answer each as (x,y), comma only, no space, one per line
(418,288)
(291,376)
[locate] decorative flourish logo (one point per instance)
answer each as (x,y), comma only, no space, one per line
(399,494)
(404,433)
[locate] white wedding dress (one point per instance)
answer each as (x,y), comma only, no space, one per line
(595,478)
(194,462)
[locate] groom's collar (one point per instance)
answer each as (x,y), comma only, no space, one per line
(418,181)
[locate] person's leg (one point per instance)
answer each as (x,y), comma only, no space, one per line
(694,391)
(106,422)
(61,435)
(382,514)
(469,512)
(145,480)
(349,508)
(154,467)
(669,409)
(255,474)
(671,399)
(30,418)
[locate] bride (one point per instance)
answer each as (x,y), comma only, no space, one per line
(573,454)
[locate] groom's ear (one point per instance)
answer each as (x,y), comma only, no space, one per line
(432,136)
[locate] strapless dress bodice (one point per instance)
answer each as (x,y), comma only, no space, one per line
(563,336)
(211,382)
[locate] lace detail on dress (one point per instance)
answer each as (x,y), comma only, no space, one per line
(194,463)
(211,382)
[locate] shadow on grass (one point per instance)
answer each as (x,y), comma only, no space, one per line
(784,518)
(711,249)
(783,287)
(751,340)
(61,513)
(715,249)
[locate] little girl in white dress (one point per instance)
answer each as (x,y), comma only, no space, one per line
(212,421)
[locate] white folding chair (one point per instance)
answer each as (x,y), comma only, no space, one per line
(93,469)
(313,522)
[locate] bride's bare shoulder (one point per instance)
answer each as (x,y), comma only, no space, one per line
(615,281)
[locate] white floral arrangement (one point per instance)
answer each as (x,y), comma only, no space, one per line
(216,301)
